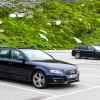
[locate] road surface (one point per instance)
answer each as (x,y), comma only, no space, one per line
(87,89)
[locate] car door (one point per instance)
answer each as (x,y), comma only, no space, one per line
(4,62)
(89,52)
(86,51)
(21,69)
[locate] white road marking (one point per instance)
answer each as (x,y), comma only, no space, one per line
(26,89)
(90,69)
(72,93)
(91,76)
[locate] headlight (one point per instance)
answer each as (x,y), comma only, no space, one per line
(56,72)
(76,68)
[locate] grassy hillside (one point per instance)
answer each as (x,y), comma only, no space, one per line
(59,22)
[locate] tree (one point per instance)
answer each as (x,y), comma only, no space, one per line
(59,22)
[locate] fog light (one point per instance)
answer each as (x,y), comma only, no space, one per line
(55,80)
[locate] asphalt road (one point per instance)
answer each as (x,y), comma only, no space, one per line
(87,89)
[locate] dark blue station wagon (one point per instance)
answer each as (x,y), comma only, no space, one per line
(35,66)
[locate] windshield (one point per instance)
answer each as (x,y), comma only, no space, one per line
(36,55)
(97,48)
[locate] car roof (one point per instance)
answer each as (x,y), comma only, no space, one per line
(15,48)
(21,49)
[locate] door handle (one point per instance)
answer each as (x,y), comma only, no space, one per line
(10,62)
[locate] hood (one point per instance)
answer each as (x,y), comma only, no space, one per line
(55,65)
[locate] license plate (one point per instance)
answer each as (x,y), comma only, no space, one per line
(72,76)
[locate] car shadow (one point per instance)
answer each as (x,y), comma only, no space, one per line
(84,58)
(15,82)
(30,85)
(61,86)
(94,58)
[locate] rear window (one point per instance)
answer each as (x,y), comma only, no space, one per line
(83,47)
(96,48)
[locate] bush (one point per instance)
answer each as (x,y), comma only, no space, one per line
(78,19)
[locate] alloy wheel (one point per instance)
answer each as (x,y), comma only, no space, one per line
(77,55)
(39,80)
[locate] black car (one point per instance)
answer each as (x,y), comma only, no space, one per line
(35,66)
(84,51)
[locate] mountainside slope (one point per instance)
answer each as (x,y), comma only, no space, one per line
(51,25)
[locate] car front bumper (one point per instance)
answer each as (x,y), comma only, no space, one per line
(62,79)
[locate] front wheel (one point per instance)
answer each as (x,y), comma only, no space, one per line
(39,80)
(77,55)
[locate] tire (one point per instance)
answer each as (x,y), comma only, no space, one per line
(68,85)
(77,55)
(39,80)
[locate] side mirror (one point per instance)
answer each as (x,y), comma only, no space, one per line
(21,59)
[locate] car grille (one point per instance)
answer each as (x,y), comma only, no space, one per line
(70,72)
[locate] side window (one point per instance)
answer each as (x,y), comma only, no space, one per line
(91,48)
(16,55)
(4,53)
(83,47)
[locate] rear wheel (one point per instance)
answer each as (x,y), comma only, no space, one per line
(39,80)
(77,55)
